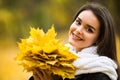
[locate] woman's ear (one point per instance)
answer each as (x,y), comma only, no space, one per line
(95,43)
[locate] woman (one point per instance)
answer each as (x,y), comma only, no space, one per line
(92,38)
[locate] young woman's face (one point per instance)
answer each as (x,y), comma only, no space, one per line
(84,31)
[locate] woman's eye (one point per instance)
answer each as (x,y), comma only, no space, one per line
(78,22)
(89,30)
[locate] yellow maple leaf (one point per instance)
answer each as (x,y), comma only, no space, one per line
(44,51)
(36,33)
(50,46)
(51,34)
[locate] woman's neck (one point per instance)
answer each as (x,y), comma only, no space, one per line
(77,49)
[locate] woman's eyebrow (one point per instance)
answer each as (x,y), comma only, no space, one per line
(79,19)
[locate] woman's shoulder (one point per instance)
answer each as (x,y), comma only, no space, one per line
(92,76)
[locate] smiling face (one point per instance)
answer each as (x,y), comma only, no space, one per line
(84,31)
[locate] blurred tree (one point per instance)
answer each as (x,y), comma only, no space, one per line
(44,13)
(117,14)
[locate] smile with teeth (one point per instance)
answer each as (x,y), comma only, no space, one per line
(76,37)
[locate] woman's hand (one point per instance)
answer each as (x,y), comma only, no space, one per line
(39,74)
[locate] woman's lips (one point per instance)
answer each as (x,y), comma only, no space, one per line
(76,37)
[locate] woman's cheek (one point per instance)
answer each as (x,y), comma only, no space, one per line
(71,29)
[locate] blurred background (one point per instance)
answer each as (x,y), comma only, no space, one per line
(16,17)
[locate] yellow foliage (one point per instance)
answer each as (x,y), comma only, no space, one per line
(118,48)
(44,51)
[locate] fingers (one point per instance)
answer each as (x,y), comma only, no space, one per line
(36,76)
(40,74)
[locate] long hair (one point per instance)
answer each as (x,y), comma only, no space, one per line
(106,41)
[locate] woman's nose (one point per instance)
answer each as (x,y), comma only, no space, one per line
(79,30)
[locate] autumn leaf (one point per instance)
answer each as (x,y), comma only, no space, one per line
(42,50)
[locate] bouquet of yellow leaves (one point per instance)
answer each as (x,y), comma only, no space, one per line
(42,50)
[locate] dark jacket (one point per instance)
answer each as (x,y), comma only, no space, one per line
(91,76)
